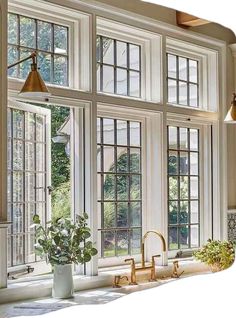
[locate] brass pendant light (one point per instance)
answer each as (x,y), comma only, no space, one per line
(231,115)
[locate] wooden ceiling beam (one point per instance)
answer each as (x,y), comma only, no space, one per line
(188,20)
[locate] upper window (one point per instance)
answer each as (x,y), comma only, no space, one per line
(118,67)
(182,80)
(49,40)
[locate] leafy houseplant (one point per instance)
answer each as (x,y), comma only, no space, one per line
(219,255)
(64,242)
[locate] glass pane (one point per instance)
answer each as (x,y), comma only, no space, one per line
(134,84)
(108,159)
(193,95)
(29,126)
(135,133)
(193,163)
(173,238)
(40,210)
(44,36)
(60,39)
(193,70)
(40,162)
(135,241)
(183,93)
(183,68)
(109,187)
(18,149)
(121,54)
(172,65)
(122,214)
(172,136)
(122,243)
(121,132)
(18,244)
(12,58)
(122,187)
(18,187)
(27,32)
(29,213)
(25,67)
(184,213)
(98,49)
(135,160)
(135,214)
(30,156)
(99,159)
(194,236)
(134,57)
(183,163)
(172,91)
(12,28)
(194,139)
(98,78)
(60,70)
(184,236)
(184,188)
(108,131)
(9,150)
(108,79)
(40,187)
(18,218)
(18,124)
(135,187)
(122,159)
(30,194)
(173,188)
(40,128)
(194,187)
(99,186)
(194,211)
(108,51)
(98,130)
(44,63)
(108,243)
(183,136)
(121,81)
(109,215)
(173,212)
(173,162)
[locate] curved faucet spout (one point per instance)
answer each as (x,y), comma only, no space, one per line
(163,241)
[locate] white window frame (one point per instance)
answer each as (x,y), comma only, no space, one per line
(150,43)
(207,69)
(78,23)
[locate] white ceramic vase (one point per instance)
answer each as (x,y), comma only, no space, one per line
(62,281)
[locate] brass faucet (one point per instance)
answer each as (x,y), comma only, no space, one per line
(143,266)
(117,279)
(175,273)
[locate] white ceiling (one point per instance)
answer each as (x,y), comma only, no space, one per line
(222,12)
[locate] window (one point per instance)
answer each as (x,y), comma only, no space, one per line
(49,40)
(183,187)
(118,67)
(119,186)
(183,82)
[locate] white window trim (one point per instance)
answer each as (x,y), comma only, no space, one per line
(208,71)
(78,24)
(151,68)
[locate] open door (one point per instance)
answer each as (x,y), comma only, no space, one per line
(29,176)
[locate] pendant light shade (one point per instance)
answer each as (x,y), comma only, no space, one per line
(231,115)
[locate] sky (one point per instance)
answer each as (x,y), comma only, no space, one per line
(219,11)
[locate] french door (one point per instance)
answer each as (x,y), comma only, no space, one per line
(29,176)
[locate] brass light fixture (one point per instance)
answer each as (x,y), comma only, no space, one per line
(231,115)
(34,86)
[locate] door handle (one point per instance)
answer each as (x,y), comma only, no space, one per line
(50,189)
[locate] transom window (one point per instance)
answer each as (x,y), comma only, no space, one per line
(183,187)
(119,186)
(49,40)
(118,67)
(182,80)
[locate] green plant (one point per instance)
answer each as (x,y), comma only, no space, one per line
(217,254)
(64,241)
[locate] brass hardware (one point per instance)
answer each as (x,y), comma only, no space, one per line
(117,280)
(143,267)
(175,273)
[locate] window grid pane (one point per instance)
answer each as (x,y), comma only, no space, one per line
(118,67)
(182,81)
(49,40)
(183,188)
(119,186)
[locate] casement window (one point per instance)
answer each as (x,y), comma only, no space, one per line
(118,67)
(182,80)
(49,40)
(183,188)
(119,186)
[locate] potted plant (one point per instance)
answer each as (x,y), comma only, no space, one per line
(64,242)
(219,255)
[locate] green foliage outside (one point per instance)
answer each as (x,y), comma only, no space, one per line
(64,241)
(219,255)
